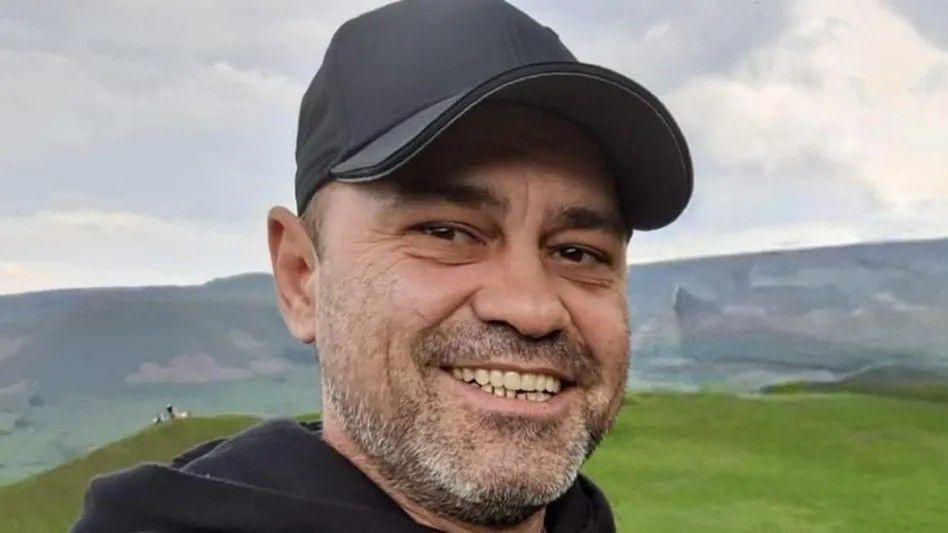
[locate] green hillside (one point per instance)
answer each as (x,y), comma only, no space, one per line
(789,463)
(674,462)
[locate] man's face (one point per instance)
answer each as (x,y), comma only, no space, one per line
(471,314)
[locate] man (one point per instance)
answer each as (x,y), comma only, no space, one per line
(466,192)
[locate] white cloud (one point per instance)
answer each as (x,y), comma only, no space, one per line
(85,247)
(697,243)
(847,80)
(660,43)
(27,276)
(57,102)
(138,153)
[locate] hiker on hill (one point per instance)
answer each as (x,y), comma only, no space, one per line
(465,192)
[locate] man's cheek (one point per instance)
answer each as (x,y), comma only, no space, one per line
(425,299)
(612,359)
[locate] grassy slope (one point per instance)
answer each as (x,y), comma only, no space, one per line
(51,501)
(780,463)
(673,463)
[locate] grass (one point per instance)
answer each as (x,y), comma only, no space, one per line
(830,463)
(673,462)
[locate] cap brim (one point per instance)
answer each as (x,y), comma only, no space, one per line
(645,147)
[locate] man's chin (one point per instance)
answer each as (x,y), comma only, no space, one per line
(535,473)
(503,485)
(483,467)
(504,453)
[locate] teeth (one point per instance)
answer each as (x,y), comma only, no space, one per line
(510,384)
(550,384)
(511,380)
(496,378)
(553,385)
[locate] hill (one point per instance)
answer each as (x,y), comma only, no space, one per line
(749,321)
(673,462)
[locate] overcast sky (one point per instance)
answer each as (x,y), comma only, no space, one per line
(142,142)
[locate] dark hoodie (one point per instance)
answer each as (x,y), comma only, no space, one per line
(278,476)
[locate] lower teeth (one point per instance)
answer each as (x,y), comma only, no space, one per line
(533,396)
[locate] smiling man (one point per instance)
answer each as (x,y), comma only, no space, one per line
(470,315)
(466,191)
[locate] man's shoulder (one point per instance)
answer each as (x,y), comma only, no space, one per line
(277,475)
(231,456)
(582,508)
(194,453)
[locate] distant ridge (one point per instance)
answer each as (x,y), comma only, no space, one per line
(242,278)
(801,249)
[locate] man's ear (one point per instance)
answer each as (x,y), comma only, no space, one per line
(295,272)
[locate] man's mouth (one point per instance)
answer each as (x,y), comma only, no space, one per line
(527,386)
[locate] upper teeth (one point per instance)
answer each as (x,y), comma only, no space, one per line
(524,385)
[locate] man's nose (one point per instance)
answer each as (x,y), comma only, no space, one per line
(521,295)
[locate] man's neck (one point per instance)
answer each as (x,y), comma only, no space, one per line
(334,435)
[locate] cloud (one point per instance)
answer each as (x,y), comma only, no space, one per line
(136,153)
(181,116)
(85,247)
(281,37)
(824,132)
(928,16)
(659,43)
(58,102)
(645,248)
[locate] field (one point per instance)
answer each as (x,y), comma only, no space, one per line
(794,463)
(674,462)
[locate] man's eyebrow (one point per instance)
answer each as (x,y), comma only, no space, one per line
(455,193)
(564,218)
(588,218)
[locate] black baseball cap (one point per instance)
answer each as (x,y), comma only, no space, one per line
(395,78)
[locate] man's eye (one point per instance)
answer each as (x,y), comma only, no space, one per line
(579,255)
(449,233)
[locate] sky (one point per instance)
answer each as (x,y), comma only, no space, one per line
(142,142)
